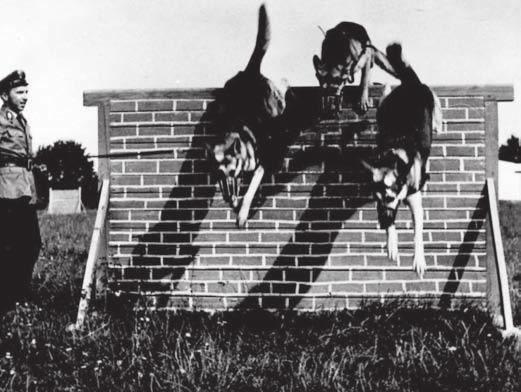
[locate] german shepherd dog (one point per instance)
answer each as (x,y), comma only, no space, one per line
(247,107)
(347,49)
(406,119)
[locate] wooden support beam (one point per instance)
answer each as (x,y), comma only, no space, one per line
(97,236)
(500,256)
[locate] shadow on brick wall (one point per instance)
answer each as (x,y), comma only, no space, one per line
(286,284)
(461,261)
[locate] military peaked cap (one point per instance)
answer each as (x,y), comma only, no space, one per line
(14,79)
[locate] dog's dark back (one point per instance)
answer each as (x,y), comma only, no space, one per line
(405,117)
(249,98)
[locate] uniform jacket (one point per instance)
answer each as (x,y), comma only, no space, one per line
(16,143)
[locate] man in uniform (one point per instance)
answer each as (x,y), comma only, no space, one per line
(19,231)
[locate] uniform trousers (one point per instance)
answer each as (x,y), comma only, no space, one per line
(20,244)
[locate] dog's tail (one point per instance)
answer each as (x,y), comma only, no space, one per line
(403,69)
(261,45)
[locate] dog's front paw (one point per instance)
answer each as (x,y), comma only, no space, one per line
(392,247)
(419,264)
(242,217)
(364,102)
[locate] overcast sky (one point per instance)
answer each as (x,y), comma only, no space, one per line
(69,46)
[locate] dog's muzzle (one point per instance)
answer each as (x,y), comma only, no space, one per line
(230,189)
(387,216)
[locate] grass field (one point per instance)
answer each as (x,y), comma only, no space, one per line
(377,348)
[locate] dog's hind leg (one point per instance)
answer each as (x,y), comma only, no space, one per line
(381,60)
(415,204)
(242,216)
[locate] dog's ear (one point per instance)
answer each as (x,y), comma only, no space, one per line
(375,171)
(236,147)
(319,65)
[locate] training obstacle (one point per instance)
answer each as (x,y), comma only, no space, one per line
(313,241)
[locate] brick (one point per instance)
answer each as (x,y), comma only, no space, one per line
(186,130)
(158,179)
(191,204)
(115,237)
(116,167)
(136,273)
(378,261)
(193,179)
(222,288)
(123,131)
(320,275)
(433,202)
(478,287)
(119,215)
(214,303)
(122,106)
(446,236)
(176,237)
(437,187)
(210,237)
(137,117)
(203,275)
(422,286)
(462,202)
(115,118)
(305,304)
(247,260)
(290,203)
(465,102)
(230,249)
(297,275)
(347,236)
(367,275)
(345,260)
(331,303)
(154,130)
(279,260)
(465,126)
(459,177)
(466,151)
(474,164)
(384,287)
(125,180)
(172,116)
(139,143)
(273,302)
(277,215)
(443,164)
(140,167)
(476,113)
(155,105)
(454,114)
(284,288)
(347,288)
(189,105)
(214,260)
(304,288)
(176,215)
(199,116)
(309,236)
(243,237)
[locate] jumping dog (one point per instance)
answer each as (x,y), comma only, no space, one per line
(347,49)
(247,105)
(406,119)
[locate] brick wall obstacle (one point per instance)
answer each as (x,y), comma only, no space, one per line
(313,240)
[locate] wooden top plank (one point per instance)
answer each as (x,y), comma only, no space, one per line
(499,92)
